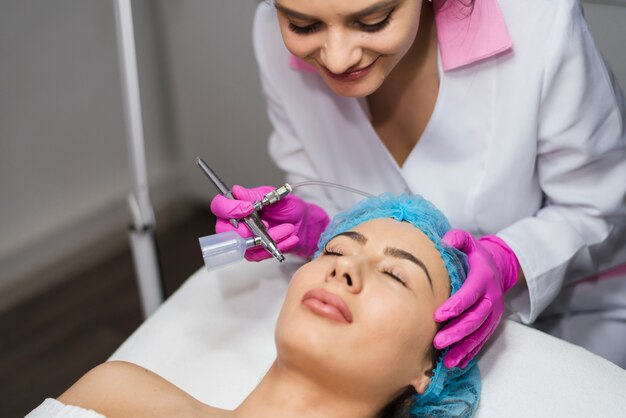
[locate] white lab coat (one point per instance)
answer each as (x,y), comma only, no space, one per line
(529,145)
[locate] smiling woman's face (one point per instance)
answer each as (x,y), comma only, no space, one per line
(354,44)
(362,312)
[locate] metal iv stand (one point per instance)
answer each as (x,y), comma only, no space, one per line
(141,233)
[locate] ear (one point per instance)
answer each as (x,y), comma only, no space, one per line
(422,381)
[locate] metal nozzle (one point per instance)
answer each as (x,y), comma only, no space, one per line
(273,196)
(273,249)
(253,221)
(253,242)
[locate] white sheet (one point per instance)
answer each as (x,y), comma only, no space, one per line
(214,339)
(51,408)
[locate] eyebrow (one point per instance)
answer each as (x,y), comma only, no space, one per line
(404,255)
(354,16)
(353,235)
(390,251)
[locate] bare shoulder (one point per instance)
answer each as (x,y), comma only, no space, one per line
(123,389)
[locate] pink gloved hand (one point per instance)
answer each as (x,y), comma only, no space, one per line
(476,308)
(293,224)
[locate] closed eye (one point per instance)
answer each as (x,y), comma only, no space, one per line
(395,277)
(365,27)
(304,30)
(375,27)
(389,273)
(331,252)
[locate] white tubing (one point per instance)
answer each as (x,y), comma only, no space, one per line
(329,184)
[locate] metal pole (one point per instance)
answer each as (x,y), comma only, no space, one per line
(142,230)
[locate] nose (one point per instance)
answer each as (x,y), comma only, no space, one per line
(348,271)
(340,52)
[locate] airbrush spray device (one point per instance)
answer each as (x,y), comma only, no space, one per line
(228,247)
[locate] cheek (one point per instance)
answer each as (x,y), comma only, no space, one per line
(394,343)
(308,276)
(404,326)
(287,326)
(391,43)
(399,39)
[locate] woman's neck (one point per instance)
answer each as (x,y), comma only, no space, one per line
(419,65)
(285,393)
(403,105)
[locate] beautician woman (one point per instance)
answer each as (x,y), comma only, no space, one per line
(501,112)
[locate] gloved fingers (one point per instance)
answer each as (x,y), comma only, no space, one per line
(462,300)
(462,351)
(256,254)
(226,208)
(289,244)
(259,253)
(464,325)
(279,234)
(475,351)
(290,209)
(222,225)
(459,239)
(463,364)
(252,194)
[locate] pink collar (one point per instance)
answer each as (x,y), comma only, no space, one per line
(464,35)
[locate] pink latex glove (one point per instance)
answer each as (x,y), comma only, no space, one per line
(293,224)
(476,308)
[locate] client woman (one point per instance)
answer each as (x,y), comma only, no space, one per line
(353,338)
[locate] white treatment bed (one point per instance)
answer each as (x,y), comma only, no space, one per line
(214,339)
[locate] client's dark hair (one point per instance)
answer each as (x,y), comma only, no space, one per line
(401,406)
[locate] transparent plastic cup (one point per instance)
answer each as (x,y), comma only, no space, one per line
(222,249)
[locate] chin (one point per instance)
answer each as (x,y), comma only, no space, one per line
(353,89)
(364,86)
(318,356)
(302,348)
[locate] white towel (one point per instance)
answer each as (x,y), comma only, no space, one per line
(51,408)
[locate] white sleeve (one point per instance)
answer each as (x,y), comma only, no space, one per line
(51,408)
(285,145)
(581,166)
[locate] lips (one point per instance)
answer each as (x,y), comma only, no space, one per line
(327,304)
(351,74)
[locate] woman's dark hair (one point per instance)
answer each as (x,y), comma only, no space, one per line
(400,406)
(469,4)
(466,3)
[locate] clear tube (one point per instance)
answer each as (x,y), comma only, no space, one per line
(329,184)
(225,248)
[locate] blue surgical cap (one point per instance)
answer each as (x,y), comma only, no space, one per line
(452,392)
